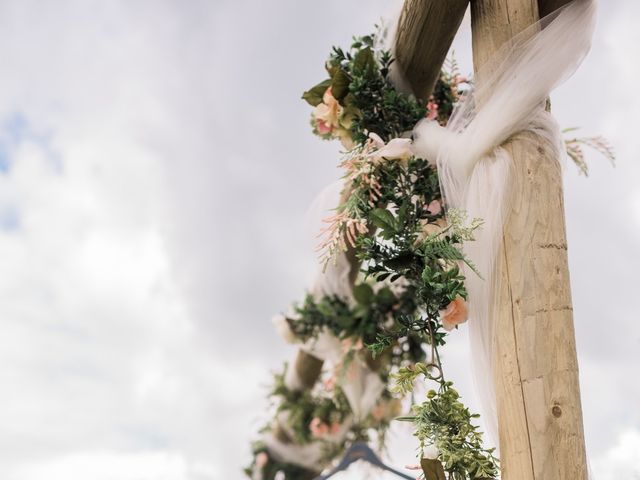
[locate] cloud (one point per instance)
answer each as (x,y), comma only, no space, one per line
(620,460)
(155,163)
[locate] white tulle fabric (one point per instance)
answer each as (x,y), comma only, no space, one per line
(332,279)
(508,99)
(362,387)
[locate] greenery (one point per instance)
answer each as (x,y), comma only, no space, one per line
(444,422)
(359,81)
(303,406)
(365,321)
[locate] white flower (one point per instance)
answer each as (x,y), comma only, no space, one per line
(431,452)
(284,329)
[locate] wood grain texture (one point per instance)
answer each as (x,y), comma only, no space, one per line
(425,32)
(537,389)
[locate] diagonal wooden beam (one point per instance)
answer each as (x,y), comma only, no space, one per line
(425,32)
(549,6)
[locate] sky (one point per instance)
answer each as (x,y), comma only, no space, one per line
(156,163)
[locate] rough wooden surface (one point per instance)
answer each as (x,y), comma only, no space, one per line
(425,32)
(308,368)
(537,389)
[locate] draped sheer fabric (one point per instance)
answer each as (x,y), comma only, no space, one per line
(508,99)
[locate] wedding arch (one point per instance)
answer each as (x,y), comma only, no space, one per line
(450,208)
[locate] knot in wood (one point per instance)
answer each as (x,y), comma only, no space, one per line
(556,411)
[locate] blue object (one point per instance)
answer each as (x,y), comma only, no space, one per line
(361,451)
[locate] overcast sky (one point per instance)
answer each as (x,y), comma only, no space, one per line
(155,166)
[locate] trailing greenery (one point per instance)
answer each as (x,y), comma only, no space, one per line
(364,322)
(444,422)
(412,291)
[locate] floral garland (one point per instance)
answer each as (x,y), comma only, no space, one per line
(412,292)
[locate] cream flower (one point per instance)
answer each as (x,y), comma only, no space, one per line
(327,113)
(431,452)
(455,314)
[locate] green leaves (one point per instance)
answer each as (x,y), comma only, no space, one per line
(385,221)
(364,62)
(340,85)
(313,96)
(359,81)
(363,293)
(443,421)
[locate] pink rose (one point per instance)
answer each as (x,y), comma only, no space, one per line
(322,127)
(262,459)
(432,110)
(434,207)
(455,314)
(335,428)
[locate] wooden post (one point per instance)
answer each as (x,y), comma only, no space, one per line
(425,32)
(540,416)
(537,389)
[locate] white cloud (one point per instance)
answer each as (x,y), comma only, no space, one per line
(620,460)
(150,179)
(111,466)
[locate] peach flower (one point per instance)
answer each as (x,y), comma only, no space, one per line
(455,314)
(262,459)
(327,113)
(318,428)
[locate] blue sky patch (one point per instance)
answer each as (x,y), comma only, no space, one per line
(9,219)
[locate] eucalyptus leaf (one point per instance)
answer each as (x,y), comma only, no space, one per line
(340,85)
(314,95)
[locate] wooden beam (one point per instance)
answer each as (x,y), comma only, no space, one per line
(549,6)
(425,32)
(537,389)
